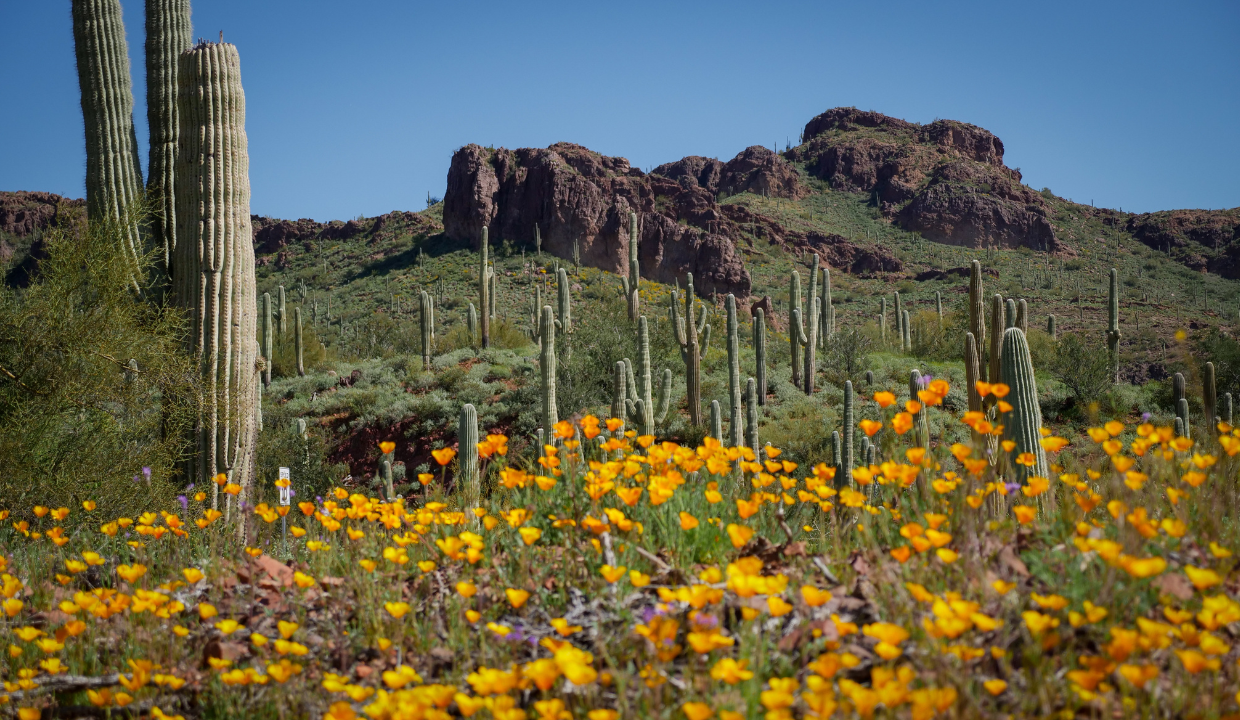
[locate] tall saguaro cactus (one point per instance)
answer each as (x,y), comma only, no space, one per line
(426,318)
(693,337)
(484,289)
(972,373)
(736,419)
(828,310)
(796,330)
(1209,400)
(1023,423)
(997,326)
(641,404)
(299,345)
(844,474)
(467,455)
(547,366)
(168,34)
(759,351)
(113,170)
(268,338)
(977,309)
(213,270)
(1113,333)
(632,281)
(811,346)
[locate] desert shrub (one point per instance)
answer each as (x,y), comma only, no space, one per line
(1083,366)
(284,352)
(845,355)
(75,423)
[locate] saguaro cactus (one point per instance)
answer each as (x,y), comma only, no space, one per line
(1113,333)
(837,456)
(1009,313)
(537,240)
(467,455)
(906,331)
(921,421)
(1050,327)
(796,330)
(213,271)
(471,323)
(716,421)
(297,341)
(1227,416)
(688,330)
(882,319)
(811,346)
(619,392)
(845,476)
(641,404)
(113,170)
(426,317)
(1022,316)
(283,315)
(972,373)
(938,306)
(751,412)
(1209,400)
(564,301)
(759,351)
(168,34)
(899,319)
(828,309)
(546,364)
(268,338)
(977,309)
(1023,423)
(736,420)
(632,281)
(484,286)
(997,327)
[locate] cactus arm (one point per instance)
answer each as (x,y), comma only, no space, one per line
(665,397)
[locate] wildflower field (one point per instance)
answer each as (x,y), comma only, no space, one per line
(623,576)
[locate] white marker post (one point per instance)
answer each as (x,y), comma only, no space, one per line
(285,485)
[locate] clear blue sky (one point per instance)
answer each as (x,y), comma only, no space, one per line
(356,107)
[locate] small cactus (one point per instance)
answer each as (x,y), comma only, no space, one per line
(268,333)
(716,421)
(1209,400)
(921,421)
(471,323)
(283,314)
(1050,327)
(427,322)
(1023,423)
(547,366)
(845,476)
(1113,333)
(906,332)
(1022,316)
(386,472)
(298,343)
(468,480)
(869,377)
(837,456)
(751,412)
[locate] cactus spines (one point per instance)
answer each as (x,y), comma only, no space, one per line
(426,315)
(168,33)
(997,327)
(632,282)
(687,330)
(298,344)
(283,314)
(484,287)
(213,270)
(1181,411)
(564,301)
(828,310)
(846,466)
(113,170)
(1022,316)
(1050,327)
(1209,399)
(619,391)
(546,363)
(1179,426)
(1024,421)
(471,323)
(837,456)
(938,306)
(759,351)
(921,421)
(811,346)
(751,412)
(716,421)
(385,469)
(1113,333)
(977,308)
(906,332)
(796,330)
(899,319)
(736,428)
(268,333)
(467,454)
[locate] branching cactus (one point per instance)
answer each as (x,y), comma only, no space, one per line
(796,329)
(751,412)
(268,338)
(633,280)
(844,476)
(736,419)
(168,34)
(213,271)
(977,309)
(1113,333)
(484,289)
(427,322)
(298,343)
(1209,400)
(641,407)
(759,351)
(1023,423)
(113,170)
(547,366)
(467,478)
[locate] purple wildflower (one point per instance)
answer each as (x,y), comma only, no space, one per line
(184,502)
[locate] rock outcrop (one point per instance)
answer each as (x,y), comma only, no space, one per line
(755,170)
(24,213)
(1206,240)
(575,195)
(945,180)
(272,235)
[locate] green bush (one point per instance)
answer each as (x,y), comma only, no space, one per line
(75,423)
